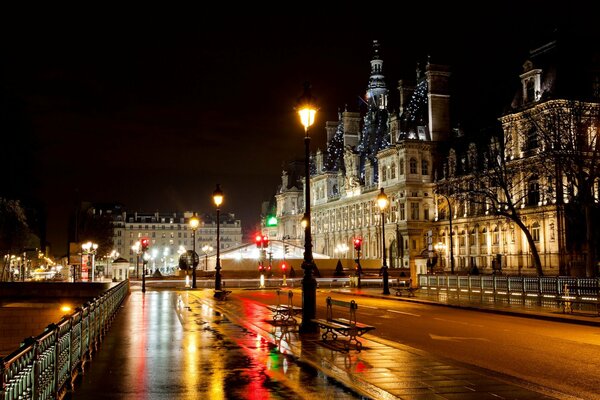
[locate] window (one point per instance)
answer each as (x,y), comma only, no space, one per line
(402,209)
(530,91)
(393,171)
(414,210)
(426,214)
(384,173)
(413,166)
(496,236)
(424,167)
(401,165)
(533,192)
(535,232)
(462,238)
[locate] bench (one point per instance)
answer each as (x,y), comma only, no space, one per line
(284,313)
(221,294)
(574,294)
(342,326)
(404,284)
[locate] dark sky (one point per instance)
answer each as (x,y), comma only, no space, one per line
(153,110)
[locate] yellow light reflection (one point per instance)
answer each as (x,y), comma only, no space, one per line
(65,308)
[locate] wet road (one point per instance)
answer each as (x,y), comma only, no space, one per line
(174,345)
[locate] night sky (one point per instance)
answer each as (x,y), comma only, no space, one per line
(153,110)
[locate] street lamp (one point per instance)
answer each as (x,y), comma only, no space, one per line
(450,222)
(441,249)
(383,202)
(218,199)
(206,249)
(194,222)
(307,110)
(137,249)
(90,248)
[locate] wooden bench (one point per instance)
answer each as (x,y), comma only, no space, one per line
(574,294)
(342,326)
(404,284)
(284,313)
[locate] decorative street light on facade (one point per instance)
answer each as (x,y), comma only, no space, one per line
(450,226)
(90,249)
(383,202)
(194,222)
(307,111)
(218,200)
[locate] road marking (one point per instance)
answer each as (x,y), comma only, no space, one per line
(456,338)
(458,322)
(404,312)
(374,308)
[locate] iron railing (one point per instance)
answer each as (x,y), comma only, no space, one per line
(555,286)
(46,366)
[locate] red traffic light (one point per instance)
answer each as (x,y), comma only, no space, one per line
(260,267)
(283,266)
(265,240)
(145,242)
(258,240)
(357,243)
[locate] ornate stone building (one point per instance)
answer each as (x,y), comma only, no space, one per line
(425,166)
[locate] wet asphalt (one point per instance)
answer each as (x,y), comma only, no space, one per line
(183,344)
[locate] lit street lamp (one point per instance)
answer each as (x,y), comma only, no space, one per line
(218,200)
(383,202)
(194,222)
(307,110)
(137,249)
(90,248)
(441,249)
(206,249)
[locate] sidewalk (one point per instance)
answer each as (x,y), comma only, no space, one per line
(528,307)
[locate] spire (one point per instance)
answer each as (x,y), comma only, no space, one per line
(376,90)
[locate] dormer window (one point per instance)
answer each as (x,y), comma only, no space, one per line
(531,81)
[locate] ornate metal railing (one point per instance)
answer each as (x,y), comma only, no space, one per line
(555,286)
(46,366)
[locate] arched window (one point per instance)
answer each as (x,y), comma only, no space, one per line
(424,167)
(413,166)
(462,238)
(496,236)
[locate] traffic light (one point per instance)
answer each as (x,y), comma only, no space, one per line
(258,239)
(265,241)
(357,243)
(283,267)
(145,242)
(286,249)
(260,267)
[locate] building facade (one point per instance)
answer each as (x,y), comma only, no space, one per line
(435,177)
(170,235)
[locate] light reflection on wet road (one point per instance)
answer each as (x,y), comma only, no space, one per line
(174,345)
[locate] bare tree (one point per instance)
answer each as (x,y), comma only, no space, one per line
(491,183)
(569,142)
(13,231)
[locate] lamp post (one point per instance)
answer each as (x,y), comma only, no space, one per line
(450,223)
(206,249)
(90,248)
(383,202)
(440,248)
(218,199)
(194,222)
(307,110)
(137,249)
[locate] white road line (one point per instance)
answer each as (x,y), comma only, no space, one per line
(374,308)
(403,312)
